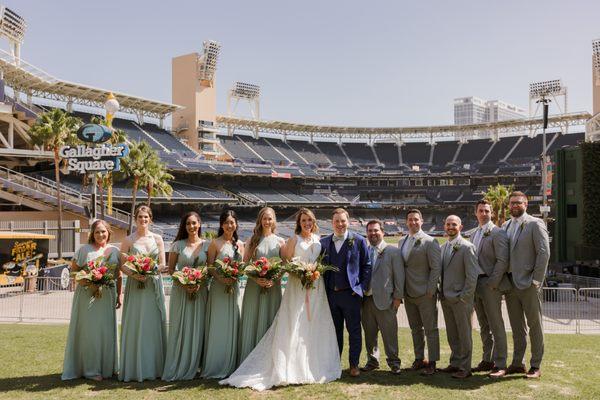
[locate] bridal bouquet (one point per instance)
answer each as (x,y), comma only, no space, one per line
(308,272)
(229,268)
(97,274)
(266,268)
(142,265)
(191,277)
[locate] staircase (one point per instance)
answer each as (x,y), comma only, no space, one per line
(41,194)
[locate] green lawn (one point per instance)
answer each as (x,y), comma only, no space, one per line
(32,363)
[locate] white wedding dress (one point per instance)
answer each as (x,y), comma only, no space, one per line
(295,350)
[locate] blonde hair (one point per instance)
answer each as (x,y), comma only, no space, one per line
(257,233)
(306,211)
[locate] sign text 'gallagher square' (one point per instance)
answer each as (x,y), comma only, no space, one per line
(84,159)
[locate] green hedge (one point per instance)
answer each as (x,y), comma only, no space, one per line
(591,193)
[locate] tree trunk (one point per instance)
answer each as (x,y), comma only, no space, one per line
(135,187)
(101,192)
(149,190)
(59,200)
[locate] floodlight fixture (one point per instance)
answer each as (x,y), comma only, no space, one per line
(245,90)
(546,88)
(596,55)
(12,25)
(207,62)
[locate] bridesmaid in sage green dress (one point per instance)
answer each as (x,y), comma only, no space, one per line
(143,331)
(261,296)
(219,358)
(91,350)
(186,315)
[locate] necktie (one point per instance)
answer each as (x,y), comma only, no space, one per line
(372,255)
(477,238)
(407,247)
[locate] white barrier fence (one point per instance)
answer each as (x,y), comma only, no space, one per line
(48,299)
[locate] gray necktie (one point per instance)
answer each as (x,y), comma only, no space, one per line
(372,255)
(477,238)
(408,246)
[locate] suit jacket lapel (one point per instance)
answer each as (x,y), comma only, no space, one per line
(452,252)
(348,247)
(412,246)
(379,257)
(519,228)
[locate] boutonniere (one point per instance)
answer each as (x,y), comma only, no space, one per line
(350,242)
(521,227)
(380,251)
(487,233)
(455,247)
(417,242)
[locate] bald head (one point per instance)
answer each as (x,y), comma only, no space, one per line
(452,226)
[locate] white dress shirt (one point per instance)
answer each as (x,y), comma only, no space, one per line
(338,244)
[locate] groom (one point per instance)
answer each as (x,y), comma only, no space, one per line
(348,252)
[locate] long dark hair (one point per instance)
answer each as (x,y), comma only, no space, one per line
(182,233)
(258,230)
(224,215)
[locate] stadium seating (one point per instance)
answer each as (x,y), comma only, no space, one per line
(360,154)
(473,151)
(414,153)
(388,155)
(444,152)
(334,153)
(309,152)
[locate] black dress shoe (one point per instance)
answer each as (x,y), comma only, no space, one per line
(369,367)
(484,366)
(395,369)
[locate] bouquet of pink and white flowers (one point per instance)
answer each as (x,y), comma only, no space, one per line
(142,265)
(191,277)
(96,274)
(229,268)
(266,268)
(308,273)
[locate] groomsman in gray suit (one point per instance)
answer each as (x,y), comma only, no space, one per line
(491,245)
(422,266)
(458,282)
(382,300)
(529,255)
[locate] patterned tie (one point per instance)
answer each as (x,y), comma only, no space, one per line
(372,255)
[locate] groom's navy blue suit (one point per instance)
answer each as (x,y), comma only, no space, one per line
(345,288)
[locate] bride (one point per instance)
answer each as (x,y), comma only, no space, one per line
(300,346)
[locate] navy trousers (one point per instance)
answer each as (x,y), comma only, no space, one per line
(346,306)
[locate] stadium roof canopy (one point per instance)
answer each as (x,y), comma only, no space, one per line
(26,78)
(465,132)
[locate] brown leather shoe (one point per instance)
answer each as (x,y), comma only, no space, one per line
(419,364)
(450,369)
(429,369)
(461,374)
(515,369)
(369,367)
(354,372)
(497,373)
(533,373)
(483,366)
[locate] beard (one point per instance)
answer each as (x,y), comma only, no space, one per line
(517,213)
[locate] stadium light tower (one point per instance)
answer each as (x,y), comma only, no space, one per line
(207,62)
(246,92)
(596,75)
(539,92)
(12,26)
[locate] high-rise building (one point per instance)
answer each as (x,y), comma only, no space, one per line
(473,110)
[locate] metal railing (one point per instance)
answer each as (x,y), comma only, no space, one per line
(48,299)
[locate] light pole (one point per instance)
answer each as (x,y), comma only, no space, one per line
(544,101)
(111,106)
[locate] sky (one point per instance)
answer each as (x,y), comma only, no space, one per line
(351,63)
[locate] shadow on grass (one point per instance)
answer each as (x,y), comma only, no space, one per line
(43,383)
(409,378)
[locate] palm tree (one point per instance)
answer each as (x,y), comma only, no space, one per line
(52,130)
(137,166)
(158,182)
(498,195)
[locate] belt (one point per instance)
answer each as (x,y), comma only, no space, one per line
(340,290)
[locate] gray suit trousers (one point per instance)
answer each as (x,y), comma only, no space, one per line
(422,317)
(488,307)
(373,321)
(457,315)
(526,304)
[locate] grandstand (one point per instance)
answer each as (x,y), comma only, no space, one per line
(252,163)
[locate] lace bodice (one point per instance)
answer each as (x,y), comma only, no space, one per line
(307,250)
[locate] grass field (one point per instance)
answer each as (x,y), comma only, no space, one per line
(32,363)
